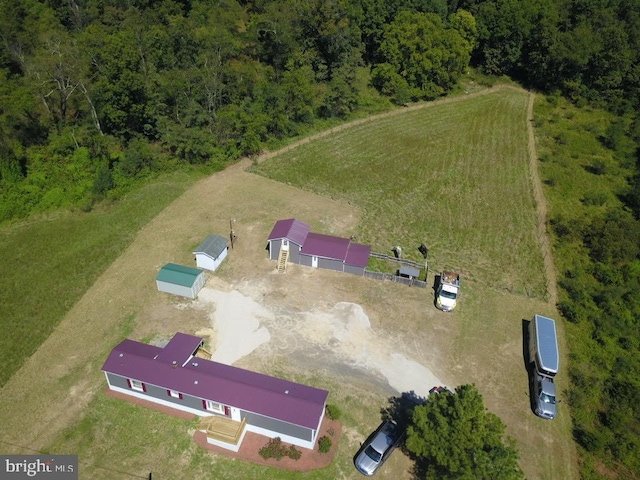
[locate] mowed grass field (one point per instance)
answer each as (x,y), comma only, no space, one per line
(454,177)
(48,265)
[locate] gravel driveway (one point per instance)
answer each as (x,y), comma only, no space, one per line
(338,336)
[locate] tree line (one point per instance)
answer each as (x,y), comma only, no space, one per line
(96,95)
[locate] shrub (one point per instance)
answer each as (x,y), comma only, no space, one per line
(273,449)
(103,181)
(276,449)
(294,453)
(553,99)
(594,198)
(324,444)
(568,229)
(591,441)
(333,412)
(598,167)
(562,138)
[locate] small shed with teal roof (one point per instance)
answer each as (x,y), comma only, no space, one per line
(180,280)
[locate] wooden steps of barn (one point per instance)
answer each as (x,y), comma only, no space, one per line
(282,260)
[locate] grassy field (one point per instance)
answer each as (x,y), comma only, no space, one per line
(48,265)
(454,177)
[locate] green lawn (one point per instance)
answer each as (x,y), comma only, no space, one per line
(454,176)
(47,265)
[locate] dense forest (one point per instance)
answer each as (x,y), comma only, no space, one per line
(96,95)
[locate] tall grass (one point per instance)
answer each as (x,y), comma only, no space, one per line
(585,180)
(576,167)
(453,176)
(48,265)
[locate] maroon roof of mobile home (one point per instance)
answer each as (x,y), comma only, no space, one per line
(254,392)
(178,350)
(291,229)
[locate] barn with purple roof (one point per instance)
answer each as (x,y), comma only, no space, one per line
(288,236)
(231,400)
(292,241)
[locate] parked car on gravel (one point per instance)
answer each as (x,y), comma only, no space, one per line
(440,389)
(377,448)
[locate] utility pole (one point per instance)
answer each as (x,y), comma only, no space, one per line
(232,235)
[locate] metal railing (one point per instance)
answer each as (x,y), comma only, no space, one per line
(403,261)
(411,282)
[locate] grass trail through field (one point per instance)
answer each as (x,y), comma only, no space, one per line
(541,207)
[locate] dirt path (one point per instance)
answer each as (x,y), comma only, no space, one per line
(541,207)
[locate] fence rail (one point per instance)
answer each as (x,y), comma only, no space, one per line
(412,282)
(397,260)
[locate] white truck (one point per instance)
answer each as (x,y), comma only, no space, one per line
(448,291)
(543,354)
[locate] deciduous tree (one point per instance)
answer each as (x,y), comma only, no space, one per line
(454,436)
(427,53)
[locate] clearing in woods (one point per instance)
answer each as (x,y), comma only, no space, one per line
(363,339)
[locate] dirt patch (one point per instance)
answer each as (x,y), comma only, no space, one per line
(341,334)
(238,322)
(156,323)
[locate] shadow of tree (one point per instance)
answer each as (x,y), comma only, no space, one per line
(400,410)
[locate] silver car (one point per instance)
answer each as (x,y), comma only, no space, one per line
(544,392)
(377,448)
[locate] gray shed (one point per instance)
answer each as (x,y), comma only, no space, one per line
(211,252)
(180,280)
(409,272)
